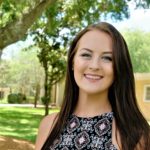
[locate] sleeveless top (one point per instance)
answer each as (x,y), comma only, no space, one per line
(92,133)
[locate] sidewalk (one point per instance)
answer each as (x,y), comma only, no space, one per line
(20,105)
(9,143)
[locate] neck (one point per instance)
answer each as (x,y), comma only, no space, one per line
(90,105)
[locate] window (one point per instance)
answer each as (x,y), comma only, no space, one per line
(147,93)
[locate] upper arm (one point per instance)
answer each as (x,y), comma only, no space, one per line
(116,139)
(44,130)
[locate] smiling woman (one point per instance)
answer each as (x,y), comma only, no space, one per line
(99,109)
(93,66)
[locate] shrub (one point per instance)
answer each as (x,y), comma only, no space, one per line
(21,98)
(12,98)
(30,99)
(16,98)
(44,100)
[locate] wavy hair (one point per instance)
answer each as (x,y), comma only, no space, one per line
(132,126)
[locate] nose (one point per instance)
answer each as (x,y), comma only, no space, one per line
(94,64)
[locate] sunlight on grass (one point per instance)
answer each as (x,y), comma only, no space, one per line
(21,123)
(24,121)
(8,129)
(3,101)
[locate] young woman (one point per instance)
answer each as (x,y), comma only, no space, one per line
(99,110)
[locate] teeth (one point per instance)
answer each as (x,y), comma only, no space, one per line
(94,77)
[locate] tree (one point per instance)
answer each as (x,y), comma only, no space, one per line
(18,17)
(53,60)
(4,69)
(138,43)
(23,73)
(15,24)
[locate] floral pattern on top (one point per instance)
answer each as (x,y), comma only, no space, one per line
(92,133)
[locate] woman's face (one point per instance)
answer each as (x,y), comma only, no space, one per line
(93,63)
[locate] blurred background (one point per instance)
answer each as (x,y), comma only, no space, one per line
(34,39)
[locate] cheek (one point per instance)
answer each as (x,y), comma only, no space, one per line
(78,67)
(109,71)
(78,64)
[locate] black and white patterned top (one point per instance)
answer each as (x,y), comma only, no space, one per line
(93,133)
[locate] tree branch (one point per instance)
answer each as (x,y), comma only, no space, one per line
(1,2)
(16,30)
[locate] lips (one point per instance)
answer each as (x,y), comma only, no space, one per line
(93,77)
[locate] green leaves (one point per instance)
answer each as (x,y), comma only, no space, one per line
(18,18)
(138,43)
(52,58)
(10,10)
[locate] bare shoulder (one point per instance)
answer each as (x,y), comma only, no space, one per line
(48,120)
(116,139)
(44,130)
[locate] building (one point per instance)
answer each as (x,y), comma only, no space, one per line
(4,91)
(142,81)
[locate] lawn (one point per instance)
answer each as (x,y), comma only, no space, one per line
(21,123)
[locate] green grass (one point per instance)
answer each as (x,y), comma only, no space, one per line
(3,101)
(21,123)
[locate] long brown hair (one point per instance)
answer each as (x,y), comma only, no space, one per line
(130,123)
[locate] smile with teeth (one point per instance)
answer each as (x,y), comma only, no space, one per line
(92,77)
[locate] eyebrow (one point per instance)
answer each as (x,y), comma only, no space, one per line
(86,49)
(105,52)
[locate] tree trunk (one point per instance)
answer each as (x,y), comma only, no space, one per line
(47,100)
(15,31)
(37,95)
(1,2)
(46,88)
(47,106)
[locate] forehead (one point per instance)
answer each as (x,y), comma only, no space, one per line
(95,40)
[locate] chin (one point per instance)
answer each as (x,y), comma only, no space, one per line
(95,91)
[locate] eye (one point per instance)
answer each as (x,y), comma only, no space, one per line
(107,58)
(86,55)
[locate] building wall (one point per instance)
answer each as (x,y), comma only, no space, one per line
(142,80)
(5,91)
(60,89)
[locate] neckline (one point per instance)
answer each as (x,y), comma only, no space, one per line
(92,117)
